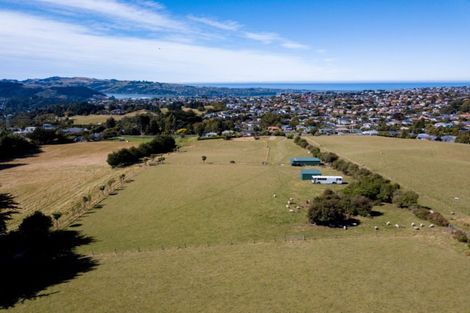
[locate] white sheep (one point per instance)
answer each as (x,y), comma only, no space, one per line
(431,211)
(345,227)
(388,223)
(421,225)
(397,226)
(292,210)
(376,227)
(287,206)
(274,196)
(431,225)
(297,208)
(413,224)
(289,202)
(416,228)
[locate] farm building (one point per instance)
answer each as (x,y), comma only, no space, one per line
(302,161)
(308,174)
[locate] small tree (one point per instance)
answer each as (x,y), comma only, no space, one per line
(204,158)
(405,199)
(56,216)
(103,189)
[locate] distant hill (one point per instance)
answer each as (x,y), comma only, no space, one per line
(113,86)
(21,90)
(18,96)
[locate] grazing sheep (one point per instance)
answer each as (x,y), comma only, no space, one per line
(431,225)
(413,224)
(287,206)
(289,202)
(388,223)
(274,196)
(291,199)
(292,210)
(421,225)
(297,208)
(376,227)
(452,213)
(397,226)
(354,224)
(416,228)
(345,227)
(431,211)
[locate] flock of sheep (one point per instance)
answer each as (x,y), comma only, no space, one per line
(413,225)
(291,205)
(296,208)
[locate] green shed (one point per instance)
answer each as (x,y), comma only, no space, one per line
(302,161)
(308,174)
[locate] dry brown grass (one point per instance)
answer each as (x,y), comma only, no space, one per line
(59,176)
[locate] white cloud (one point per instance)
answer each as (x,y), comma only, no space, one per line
(223,25)
(148,16)
(270,38)
(42,47)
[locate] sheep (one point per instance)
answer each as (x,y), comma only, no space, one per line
(287,206)
(291,199)
(289,202)
(274,196)
(421,225)
(297,208)
(431,225)
(388,223)
(376,227)
(345,227)
(292,210)
(397,226)
(416,228)
(452,213)
(431,211)
(413,224)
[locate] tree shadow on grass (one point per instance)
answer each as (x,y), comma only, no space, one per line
(31,262)
(375,213)
(10,165)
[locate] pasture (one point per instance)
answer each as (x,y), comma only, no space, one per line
(96,119)
(54,179)
(194,236)
(438,172)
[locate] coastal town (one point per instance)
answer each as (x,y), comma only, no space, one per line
(441,114)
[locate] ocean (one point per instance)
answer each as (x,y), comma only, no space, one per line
(337,86)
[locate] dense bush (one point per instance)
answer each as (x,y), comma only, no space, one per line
(43,136)
(12,146)
(332,209)
(125,157)
(327,209)
(461,236)
(437,219)
(405,199)
(328,157)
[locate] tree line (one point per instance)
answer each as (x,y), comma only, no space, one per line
(358,197)
(133,155)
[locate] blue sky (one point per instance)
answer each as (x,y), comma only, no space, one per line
(237,41)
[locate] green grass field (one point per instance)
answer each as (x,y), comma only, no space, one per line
(188,236)
(438,172)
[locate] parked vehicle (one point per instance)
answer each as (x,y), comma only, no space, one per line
(331,180)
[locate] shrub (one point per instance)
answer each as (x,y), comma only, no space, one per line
(405,199)
(461,236)
(14,146)
(421,212)
(328,157)
(357,205)
(290,136)
(125,157)
(327,209)
(437,219)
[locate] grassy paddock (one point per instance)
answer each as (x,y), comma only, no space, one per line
(375,274)
(94,119)
(56,178)
(188,236)
(439,172)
